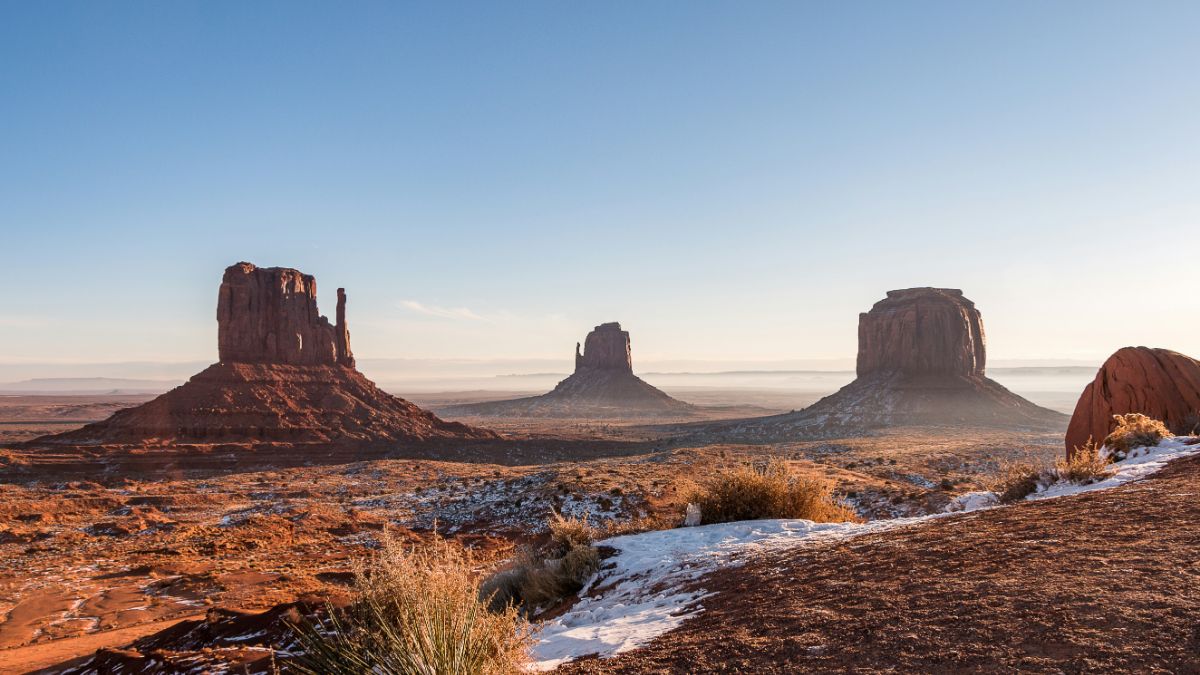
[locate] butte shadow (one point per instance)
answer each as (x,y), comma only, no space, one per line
(602,386)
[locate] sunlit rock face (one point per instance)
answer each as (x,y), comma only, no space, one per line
(922,331)
(285,377)
(269,315)
(1159,383)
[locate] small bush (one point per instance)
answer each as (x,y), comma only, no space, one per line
(1015,481)
(567,533)
(415,610)
(768,491)
(546,577)
(1085,465)
(1134,430)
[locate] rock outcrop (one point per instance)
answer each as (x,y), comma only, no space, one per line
(603,385)
(269,315)
(286,375)
(921,360)
(605,348)
(922,331)
(1159,383)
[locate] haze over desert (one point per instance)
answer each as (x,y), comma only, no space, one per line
(681,337)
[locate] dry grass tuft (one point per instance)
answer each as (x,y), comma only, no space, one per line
(1134,430)
(1017,480)
(415,610)
(539,579)
(768,491)
(1085,465)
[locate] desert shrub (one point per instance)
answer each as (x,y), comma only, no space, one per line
(1017,480)
(542,578)
(767,491)
(415,610)
(1085,465)
(1134,430)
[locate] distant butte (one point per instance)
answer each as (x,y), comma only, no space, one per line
(921,359)
(603,385)
(285,376)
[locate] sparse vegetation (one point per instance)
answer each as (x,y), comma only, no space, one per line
(1085,465)
(416,609)
(768,491)
(542,578)
(1017,480)
(1134,430)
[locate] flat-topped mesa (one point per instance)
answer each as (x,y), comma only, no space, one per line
(922,331)
(269,315)
(605,348)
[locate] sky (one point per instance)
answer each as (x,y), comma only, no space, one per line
(732,181)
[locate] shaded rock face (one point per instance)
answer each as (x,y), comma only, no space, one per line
(269,315)
(922,331)
(1159,383)
(605,348)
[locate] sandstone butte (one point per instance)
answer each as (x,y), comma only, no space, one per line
(285,375)
(922,354)
(1159,383)
(602,385)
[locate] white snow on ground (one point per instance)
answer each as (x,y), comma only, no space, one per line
(638,594)
(1140,462)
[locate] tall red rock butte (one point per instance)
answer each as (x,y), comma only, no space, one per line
(269,315)
(286,375)
(603,385)
(921,360)
(1159,383)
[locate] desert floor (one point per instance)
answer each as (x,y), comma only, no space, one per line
(88,562)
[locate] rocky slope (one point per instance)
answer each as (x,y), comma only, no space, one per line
(1160,383)
(603,385)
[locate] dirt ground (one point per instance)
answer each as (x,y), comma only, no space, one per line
(85,562)
(1105,581)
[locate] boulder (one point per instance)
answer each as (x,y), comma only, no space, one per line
(1158,383)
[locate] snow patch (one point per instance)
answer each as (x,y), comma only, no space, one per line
(648,588)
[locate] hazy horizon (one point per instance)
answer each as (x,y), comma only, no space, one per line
(490,181)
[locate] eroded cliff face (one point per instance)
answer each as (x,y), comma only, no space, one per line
(922,331)
(1159,383)
(269,315)
(605,348)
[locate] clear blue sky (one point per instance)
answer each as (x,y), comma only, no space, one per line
(730,180)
